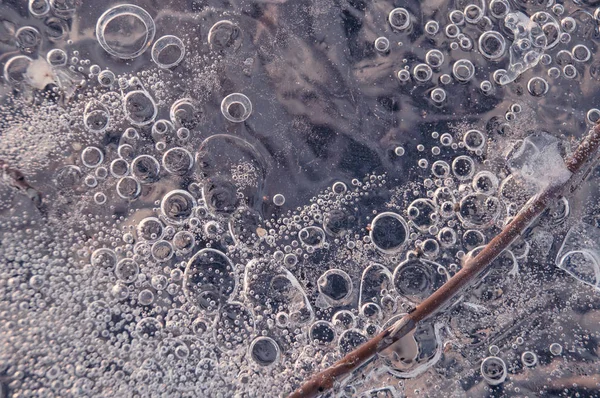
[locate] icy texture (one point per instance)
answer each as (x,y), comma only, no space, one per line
(539,161)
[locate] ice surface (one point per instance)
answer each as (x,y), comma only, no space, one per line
(539,161)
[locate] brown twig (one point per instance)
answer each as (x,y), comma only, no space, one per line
(472,268)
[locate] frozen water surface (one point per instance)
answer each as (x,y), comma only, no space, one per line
(218,199)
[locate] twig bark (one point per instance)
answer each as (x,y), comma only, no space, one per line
(472,268)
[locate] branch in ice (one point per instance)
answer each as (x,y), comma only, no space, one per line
(473,267)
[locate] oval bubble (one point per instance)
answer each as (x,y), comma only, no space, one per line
(389,232)
(225,35)
(493,370)
(399,18)
(127,270)
(139,108)
(312,236)
(178,205)
(125,31)
(168,51)
(417,279)
(335,285)
(150,229)
(264,351)
(375,279)
(479,210)
(492,45)
(236,107)
(208,279)
(178,161)
(145,169)
(322,332)
(128,188)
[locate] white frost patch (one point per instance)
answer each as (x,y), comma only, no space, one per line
(539,162)
(579,254)
(39,74)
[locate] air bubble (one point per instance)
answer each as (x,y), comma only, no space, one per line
(264,351)
(184,113)
(457,17)
(438,95)
(581,53)
(96,117)
(99,198)
(236,107)
(593,115)
(28,39)
(278,200)
(434,58)
(56,57)
(403,76)
(106,78)
(139,108)
(474,140)
(382,44)
(92,157)
(178,161)
(570,71)
(463,70)
(422,73)
(529,359)
(168,51)
(556,349)
(399,18)
(127,270)
(473,14)
(432,27)
(39,8)
(225,35)
(493,370)
(452,31)
(178,205)
(417,279)
(389,232)
(150,229)
(537,86)
(125,31)
(492,45)
(339,188)
(463,167)
(335,285)
(145,169)
(162,251)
